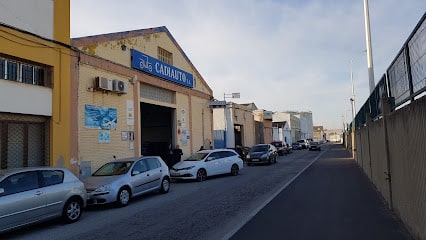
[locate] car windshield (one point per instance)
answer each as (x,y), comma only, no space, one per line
(113,168)
(197,156)
(259,148)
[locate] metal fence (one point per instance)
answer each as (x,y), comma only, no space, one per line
(404,80)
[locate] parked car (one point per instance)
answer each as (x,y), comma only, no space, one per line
(315,146)
(289,148)
(281,147)
(120,180)
(296,146)
(32,195)
(304,143)
(206,163)
(262,153)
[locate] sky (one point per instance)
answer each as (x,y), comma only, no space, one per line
(281,55)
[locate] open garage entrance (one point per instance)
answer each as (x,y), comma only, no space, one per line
(156,129)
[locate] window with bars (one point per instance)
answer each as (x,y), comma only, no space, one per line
(2,69)
(23,72)
(165,56)
(23,144)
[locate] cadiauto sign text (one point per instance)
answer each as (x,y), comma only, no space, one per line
(161,69)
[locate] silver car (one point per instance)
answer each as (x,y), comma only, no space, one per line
(119,180)
(30,195)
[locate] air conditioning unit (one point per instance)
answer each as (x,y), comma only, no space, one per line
(119,86)
(103,83)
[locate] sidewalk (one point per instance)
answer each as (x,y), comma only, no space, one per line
(333,199)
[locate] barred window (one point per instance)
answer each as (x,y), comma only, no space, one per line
(27,74)
(24,72)
(2,69)
(12,71)
(38,76)
(165,56)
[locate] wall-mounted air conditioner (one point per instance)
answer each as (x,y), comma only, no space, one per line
(103,83)
(119,86)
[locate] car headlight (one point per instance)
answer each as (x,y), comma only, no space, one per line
(248,156)
(103,188)
(187,168)
(265,155)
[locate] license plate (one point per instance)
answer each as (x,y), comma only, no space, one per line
(255,160)
(175,174)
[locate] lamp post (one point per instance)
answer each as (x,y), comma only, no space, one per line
(369,50)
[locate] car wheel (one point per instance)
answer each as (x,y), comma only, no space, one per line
(72,210)
(123,197)
(165,185)
(275,159)
(201,175)
(234,170)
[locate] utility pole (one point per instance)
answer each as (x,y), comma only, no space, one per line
(369,50)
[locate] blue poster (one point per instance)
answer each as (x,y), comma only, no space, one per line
(104,137)
(97,117)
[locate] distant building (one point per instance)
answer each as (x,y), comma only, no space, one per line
(279,119)
(301,123)
(233,126)
(263,126)
(319,134)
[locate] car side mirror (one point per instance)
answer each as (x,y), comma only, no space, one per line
(135,173)
(209,159)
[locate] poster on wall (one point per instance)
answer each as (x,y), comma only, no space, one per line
(97,117)
(184,136)
(130,113)
(104,137)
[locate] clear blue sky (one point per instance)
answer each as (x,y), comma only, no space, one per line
(281,55)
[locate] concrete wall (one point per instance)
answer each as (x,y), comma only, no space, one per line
(391,151)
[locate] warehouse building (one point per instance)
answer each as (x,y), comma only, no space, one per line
(135,93)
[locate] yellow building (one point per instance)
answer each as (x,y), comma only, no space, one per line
(35,84)
(135,93)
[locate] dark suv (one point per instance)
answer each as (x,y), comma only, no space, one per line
(281,147)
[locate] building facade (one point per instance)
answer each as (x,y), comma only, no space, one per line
(137,93)
(234,125)
(35,121)
(280,119)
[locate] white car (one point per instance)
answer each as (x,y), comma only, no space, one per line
(207,163)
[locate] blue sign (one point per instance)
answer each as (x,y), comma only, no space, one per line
(161,69)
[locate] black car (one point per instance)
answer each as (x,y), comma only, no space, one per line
(314,146)
(262,153)
(296,146)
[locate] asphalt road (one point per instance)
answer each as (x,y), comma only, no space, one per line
(214,209)
(306,195)
(331,200)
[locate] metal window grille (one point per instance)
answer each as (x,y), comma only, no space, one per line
(165,56)
(23,141)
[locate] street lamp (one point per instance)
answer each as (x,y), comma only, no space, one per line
(369,50)
(352,99)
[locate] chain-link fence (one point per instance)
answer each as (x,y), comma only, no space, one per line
(404,81)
